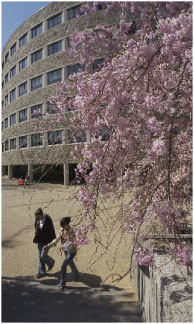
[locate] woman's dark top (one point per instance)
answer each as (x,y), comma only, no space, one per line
(47,233)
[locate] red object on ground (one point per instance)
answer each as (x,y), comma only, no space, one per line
(20,181)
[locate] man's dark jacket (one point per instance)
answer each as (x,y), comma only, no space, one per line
(47,233)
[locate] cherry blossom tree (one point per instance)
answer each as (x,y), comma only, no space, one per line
(137,108)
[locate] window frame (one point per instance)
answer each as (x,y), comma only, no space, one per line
(25,117)
(40,140)
(54,79)
(6,100)
(57,137)
(25,142)
(24,84)
(12,95)
(35,29)
(13,49)
(11,119)
(51,22)
(38,83)
(34,56)
(51,48)
(12,72)
(13,140)
(23,64)
(36,115)
(23,40)
(6,125)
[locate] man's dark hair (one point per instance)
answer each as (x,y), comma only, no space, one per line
(65,220)
(38,212)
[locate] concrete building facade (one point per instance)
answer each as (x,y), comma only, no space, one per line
(33,60)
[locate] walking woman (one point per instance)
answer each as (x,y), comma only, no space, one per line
(44,234)
(68,245)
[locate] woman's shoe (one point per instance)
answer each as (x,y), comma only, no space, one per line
(60,288)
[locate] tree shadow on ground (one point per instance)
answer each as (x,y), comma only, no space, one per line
(24,300)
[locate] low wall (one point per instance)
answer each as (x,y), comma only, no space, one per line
(164,290)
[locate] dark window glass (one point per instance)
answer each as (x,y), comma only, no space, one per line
(68,42)
(13,49)
(54,21)
(36,111)
(6,122)
(74,68)
(2,147)
(22,141)
(36,56)
(55,137)
(54,48)
(6,57)
(54,76)
(23,64)
(13,71)
(2,84)
(6,78)
(13,95)
(13,144)
(36,31)
(132,29)
(36,140)
(23,40)
(73,12)
(6,100)
(22,115)
(2,65)
(2,126)
(50,108)
(36,83)
(99,6)
(2,104)
(6,145)
(97,64)
(12,119)
(22,89)
(77,138)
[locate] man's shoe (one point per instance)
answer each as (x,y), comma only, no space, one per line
(40,275)
(51,266)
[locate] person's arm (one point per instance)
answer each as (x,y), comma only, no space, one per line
(54,242)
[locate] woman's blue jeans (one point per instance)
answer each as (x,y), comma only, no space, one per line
(68,261)
(44,259)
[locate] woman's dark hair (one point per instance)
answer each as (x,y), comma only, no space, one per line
(65,220)
(38,212)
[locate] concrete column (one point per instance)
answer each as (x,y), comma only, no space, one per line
(30,171)
(66,174)
(44,108)
(87,136)
(10,171)
(44,80)
(44,26)
(63,17)
(65,73)
(3,170)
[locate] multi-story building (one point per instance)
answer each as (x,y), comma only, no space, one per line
(33,60)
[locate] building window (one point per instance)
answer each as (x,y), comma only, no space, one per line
(74,12)
(13,72)
(68,42)
(54,76)
(74,68)
(13,49)
(2,84)
(50,108)
(54,48)
(6,145)
(6,122)
(6,78)
(22,89)
(36,140)
(55,137)
(76,138)
(54,21)
(36,31)
(99,6)
(13,119)
(23,40)
(13,144)
(6,57)
(36,83)
(23,64)
(2,65)
(22,115)
(2,147)
(2,104)
(36,111)
(6,100)
(97,64)
(13,95)
(36,56)
(23,141)
(2,126)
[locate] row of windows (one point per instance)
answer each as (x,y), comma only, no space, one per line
(53,137)
(52,77)
(34,57)
(34,111)
(51,22)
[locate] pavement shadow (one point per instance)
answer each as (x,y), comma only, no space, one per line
(25,301)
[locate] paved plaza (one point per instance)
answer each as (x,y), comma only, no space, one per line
(96,297)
